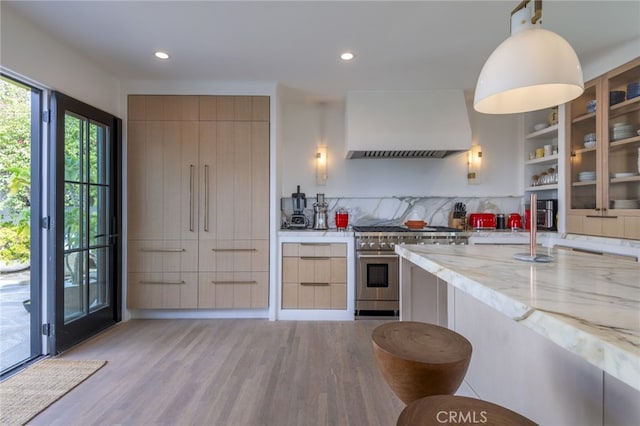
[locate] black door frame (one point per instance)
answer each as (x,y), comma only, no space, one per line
(63,337)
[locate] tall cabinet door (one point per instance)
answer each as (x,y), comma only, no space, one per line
(162,201)
(234,155)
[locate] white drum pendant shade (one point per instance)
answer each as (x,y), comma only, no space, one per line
(531,70)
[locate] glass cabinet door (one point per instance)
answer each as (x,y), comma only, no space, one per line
(584,142)
(622,121)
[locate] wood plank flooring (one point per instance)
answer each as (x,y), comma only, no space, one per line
(229,372)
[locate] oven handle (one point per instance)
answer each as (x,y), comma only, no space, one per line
(379,255)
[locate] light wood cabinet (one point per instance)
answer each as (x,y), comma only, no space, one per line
(314,276)
(198,185)
(606,201)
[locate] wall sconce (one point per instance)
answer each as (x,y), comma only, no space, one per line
(474,164)
(321,165)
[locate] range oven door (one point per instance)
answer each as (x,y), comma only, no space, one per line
(377,281)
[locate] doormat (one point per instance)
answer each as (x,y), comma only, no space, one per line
(30,391)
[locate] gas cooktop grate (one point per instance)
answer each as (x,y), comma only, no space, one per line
(376,228)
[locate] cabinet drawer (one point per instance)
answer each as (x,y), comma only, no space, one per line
(314,270)
(234,255)
(314,282)
(314,296)
(162,255)
(315,249)
(162,290)
(246,290)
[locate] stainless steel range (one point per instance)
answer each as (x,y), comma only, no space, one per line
(378,266)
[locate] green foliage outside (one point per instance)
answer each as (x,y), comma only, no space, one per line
(81,156)
(15,158)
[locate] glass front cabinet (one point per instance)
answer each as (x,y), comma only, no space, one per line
(603,161)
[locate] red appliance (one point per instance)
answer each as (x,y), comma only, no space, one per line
(342,219)
(515,221)
(482,221)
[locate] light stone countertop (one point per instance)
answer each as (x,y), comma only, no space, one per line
(589,304)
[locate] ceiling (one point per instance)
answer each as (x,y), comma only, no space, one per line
(398,45)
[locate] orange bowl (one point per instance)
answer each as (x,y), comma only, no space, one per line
(415,224)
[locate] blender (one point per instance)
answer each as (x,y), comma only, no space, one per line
(298,219)
(320,213)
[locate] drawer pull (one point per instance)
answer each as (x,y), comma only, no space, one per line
(206,198)
(315,257)
(602,217)
(191,197)
(176,250)
(162,282)
(234,282)
(234,249)
(315,244)
(315,284)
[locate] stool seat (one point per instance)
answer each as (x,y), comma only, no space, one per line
(458,410)
(419,359)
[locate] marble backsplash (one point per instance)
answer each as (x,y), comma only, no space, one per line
(396,210)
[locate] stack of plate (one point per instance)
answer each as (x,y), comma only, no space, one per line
(621,131)
(623,174)
(633,90)
(625,204)
(591,106)
(586,176)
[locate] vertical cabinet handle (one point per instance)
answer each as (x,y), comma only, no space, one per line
(191,195)
(206,198)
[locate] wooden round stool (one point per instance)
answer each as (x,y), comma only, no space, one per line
(458,410)
(418,359)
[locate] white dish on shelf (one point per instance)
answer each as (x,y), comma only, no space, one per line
(623,174)
(540,126)
(625,204)
(590,144)
(586,176)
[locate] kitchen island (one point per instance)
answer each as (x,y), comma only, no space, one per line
(558,342)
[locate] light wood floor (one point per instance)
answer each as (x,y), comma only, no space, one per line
(229,372)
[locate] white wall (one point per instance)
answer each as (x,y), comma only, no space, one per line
(305,124)
(27,51)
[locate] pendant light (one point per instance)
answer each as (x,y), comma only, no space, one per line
(531,70)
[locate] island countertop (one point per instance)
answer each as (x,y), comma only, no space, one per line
(588,304)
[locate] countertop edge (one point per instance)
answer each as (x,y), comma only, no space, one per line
(613,360)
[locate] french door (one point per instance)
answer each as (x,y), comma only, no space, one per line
(86,220)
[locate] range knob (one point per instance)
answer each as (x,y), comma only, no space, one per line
(362,244)
(392,245)
(383,244)
(372,245)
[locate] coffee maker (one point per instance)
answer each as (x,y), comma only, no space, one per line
(298,219)
(320,213)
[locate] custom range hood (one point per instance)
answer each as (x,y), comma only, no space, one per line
(406,124)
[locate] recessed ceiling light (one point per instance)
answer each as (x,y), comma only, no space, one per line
(162,55)
(347,56)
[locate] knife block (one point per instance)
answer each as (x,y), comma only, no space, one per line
(456,222)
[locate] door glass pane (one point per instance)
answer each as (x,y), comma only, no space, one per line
(73,149)
(74,285)
(98,153)
(19,292)
(74,227)
(99,279)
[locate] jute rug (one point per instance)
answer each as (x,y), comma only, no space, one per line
(30,391)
